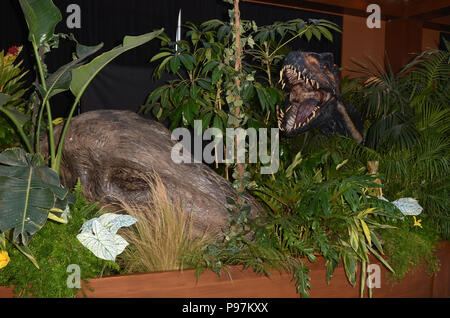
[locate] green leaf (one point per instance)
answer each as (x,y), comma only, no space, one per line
(27,252)
(60,81)
(4,98)
(83,75)
(187,61)
(366,231)
(27,192)
(350,266)
(209,66)
(301,275)
(262,98)
(174,64)
(160,55)
(376,242)
(308,34)
(380,258)
(216,74)
(206,121)
(325,32)
(41,16)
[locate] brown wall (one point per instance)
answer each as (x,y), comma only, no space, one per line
(361,43)
(430,39)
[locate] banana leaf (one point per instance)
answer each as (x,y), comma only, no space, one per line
(42,16)
(28,191)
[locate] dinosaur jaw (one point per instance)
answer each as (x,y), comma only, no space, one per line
(306,100)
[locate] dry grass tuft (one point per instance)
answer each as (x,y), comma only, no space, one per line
(163,234)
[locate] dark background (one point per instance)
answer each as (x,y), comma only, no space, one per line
(126,83)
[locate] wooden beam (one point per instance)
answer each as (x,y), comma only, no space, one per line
(434,14)
(437,26)
(420,7)
(354,8)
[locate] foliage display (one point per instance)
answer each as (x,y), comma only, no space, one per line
(322,202)
(55,248)
(42,17)
(411,244)
(205,88)
(408,125)
(12,103)
(317,207)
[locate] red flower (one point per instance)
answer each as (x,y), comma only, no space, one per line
(13,50)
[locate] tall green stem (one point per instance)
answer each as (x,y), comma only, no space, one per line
(57,165)
(46,104)
(19,129)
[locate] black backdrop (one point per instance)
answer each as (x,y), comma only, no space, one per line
(126,83)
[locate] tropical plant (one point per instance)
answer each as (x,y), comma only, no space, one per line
(12,103)
(315,206)
(205,71)
(36,182)
(30,193)
(407,127)
(57,249)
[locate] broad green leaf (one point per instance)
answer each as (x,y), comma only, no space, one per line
(27,192)
(60,81)
(41,16)
(187,61)
(83,75)
(174,64)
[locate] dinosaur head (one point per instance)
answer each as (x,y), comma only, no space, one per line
(314,97)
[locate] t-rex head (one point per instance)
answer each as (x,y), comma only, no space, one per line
(314,97)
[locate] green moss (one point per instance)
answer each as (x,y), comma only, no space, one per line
(55,248)
(410,246)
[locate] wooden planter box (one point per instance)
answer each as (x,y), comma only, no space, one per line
(240,283)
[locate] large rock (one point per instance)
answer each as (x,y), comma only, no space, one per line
(112,151)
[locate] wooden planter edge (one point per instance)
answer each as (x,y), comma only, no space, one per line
(240,283)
